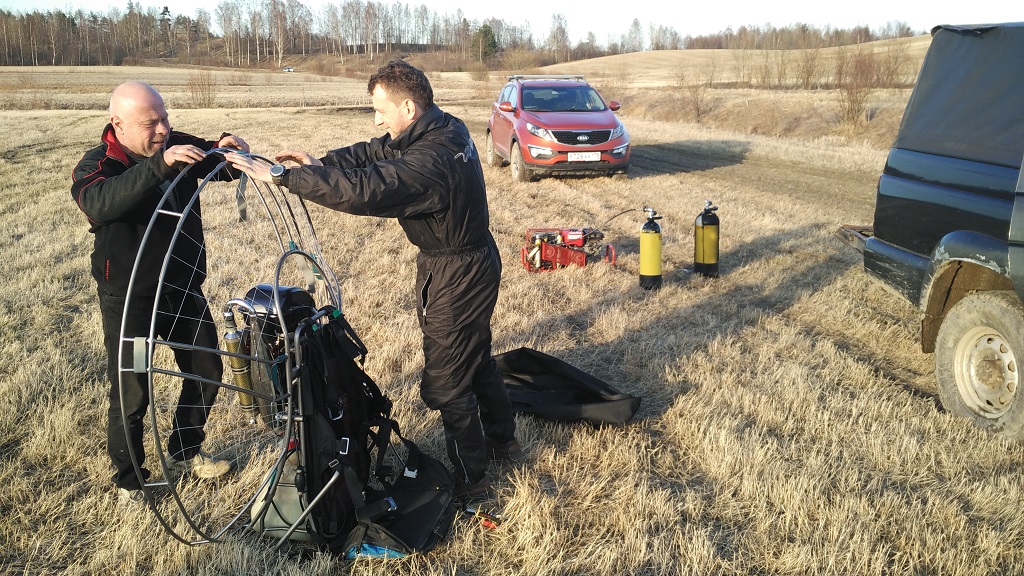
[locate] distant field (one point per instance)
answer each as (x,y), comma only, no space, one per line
(649,84)
(789,423)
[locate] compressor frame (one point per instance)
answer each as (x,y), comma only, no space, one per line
(550,249)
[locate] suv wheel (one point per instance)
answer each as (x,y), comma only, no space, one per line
(520,173)
(490,156)
(976,361)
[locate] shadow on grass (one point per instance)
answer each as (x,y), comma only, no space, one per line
(700,323)
(648,160)
(685,156)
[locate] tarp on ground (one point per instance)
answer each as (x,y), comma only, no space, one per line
(550,388)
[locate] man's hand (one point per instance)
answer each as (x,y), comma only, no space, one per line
(232,141)
(256,169)
(175,156)
(298,157)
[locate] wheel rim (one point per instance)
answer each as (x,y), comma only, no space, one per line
(985,368)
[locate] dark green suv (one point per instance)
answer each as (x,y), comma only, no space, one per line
(948,231)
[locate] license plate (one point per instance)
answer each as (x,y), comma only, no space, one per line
(584,156)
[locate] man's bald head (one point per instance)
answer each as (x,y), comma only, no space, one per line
(132,95)
(139,118)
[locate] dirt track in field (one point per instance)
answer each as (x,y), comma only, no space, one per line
(782,182)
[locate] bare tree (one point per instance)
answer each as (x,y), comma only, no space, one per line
(558,38)
(665,38)
(228,15)
(202,26)
(421,27)
(300,26)
(809,60)
(371,24)
(278,20)
(335,26)
(635,41)
(352,19)
(185,27)
(518,59)
(53,33)
(856,72)
(697,86)
(892,64)
(781,59)
(202,89)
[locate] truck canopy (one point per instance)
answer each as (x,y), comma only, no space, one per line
(987,60)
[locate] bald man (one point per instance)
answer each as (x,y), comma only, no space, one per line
(118,186)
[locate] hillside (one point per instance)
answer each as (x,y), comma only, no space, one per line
(748,92)
(652,85)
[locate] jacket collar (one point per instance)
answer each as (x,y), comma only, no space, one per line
(114,149)
(417,129)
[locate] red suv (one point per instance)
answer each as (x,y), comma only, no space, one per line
(555,124)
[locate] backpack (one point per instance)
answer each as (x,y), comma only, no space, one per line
(363,494)
(340,406)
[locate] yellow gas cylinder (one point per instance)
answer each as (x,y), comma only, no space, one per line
(235,343)
(650,251)
(705,241)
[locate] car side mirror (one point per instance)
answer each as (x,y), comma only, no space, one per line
(505,107)
(614,105)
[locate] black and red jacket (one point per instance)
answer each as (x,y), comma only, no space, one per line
(120,195)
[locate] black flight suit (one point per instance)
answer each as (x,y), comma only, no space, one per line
(430,179)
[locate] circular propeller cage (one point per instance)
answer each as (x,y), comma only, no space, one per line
(266,281)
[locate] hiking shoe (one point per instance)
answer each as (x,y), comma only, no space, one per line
(476,492)
(507,453)
(203,466)
(131,497)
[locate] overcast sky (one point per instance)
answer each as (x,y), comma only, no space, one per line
(612,19)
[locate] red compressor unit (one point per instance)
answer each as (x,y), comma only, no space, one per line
(553,248)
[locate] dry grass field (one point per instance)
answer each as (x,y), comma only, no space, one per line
(789,422)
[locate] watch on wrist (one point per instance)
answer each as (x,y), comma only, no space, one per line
(277,173)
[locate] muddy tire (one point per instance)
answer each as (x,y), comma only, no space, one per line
(491,158)
(977,351)
(520,173)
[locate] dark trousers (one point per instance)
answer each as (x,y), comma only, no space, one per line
(457,294)
(181,317)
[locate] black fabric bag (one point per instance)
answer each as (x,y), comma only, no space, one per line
(341,407)
(550,388)
(362,503)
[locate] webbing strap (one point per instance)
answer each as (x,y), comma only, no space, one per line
(243,181)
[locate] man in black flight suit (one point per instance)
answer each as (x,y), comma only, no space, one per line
(426,173)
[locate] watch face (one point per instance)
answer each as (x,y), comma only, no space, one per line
(277,170)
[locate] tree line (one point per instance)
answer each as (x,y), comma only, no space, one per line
(243,33)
